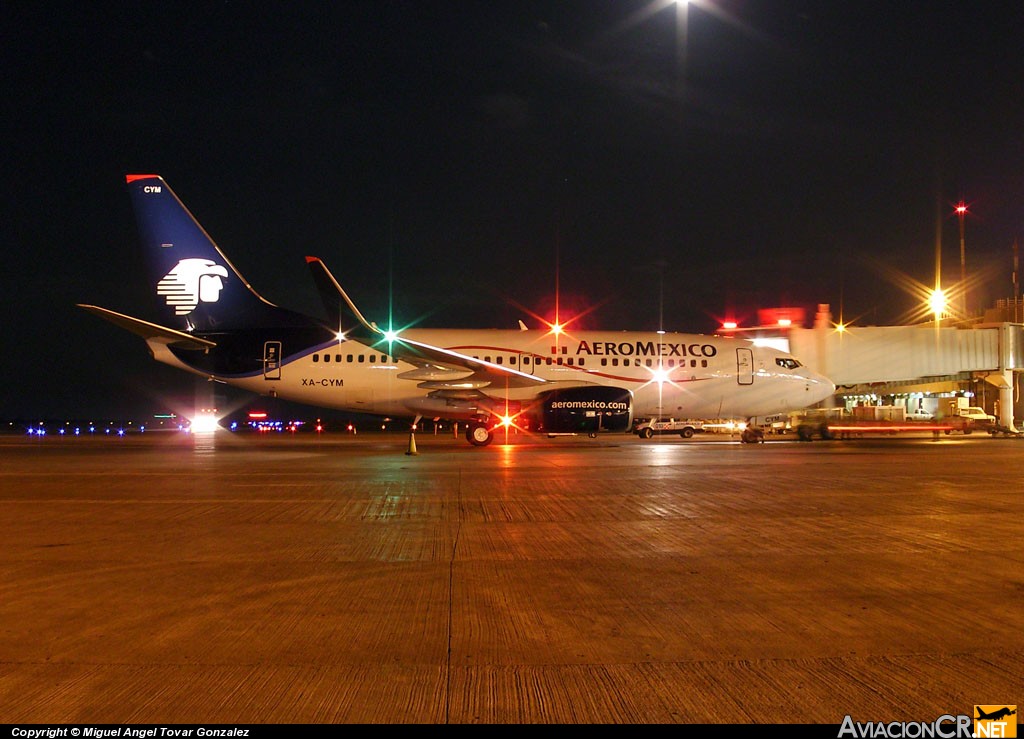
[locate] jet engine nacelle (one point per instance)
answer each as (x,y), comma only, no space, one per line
(585,410)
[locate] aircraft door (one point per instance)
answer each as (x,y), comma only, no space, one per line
(272,360)
(745,366)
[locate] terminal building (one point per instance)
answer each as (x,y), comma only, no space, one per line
(925,367)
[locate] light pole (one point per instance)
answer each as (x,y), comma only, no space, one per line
(682,23)
(961,211)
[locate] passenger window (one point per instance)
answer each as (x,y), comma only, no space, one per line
(512,360)
(604,361)
(703,363)
(362,358)
(337,357)
(615,361)
(498,360)
(580,363)
(559,360)
(650,362)
(348,358)
(569,361)
(316,357)
(526,360)
(550,362)
(327,357)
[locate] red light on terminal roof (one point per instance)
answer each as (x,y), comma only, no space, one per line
(777,316)
(132,177)
(729,324)
(256,415)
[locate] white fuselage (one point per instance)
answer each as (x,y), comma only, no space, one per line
(682,375)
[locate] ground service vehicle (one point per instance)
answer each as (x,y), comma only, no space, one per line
(647,428)
(976,414)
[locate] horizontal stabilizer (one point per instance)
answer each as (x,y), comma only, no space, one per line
(151,331)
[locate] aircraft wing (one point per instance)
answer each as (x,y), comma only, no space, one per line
(443,369)
(436,368)
(151,331)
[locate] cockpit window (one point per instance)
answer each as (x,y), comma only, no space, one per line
(787,362)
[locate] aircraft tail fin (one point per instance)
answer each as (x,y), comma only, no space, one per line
(196,286)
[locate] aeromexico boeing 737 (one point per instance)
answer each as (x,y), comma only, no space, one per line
(213,323)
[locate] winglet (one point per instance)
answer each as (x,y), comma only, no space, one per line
(330,291)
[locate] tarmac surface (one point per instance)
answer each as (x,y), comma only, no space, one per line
(168,578)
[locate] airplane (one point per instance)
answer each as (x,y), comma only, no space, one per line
(995,715)
(213,323)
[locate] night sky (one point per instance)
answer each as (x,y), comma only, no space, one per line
(460,164)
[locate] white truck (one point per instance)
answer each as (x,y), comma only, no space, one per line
(686,428)
(976,414)
(967,418)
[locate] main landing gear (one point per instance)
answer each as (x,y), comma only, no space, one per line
(479,434)
(752,435)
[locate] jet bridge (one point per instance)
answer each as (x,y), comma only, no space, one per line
(926,354)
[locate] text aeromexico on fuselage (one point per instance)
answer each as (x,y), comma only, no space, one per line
(213,323)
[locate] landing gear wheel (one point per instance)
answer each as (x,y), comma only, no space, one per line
(479,435)
(752,436)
